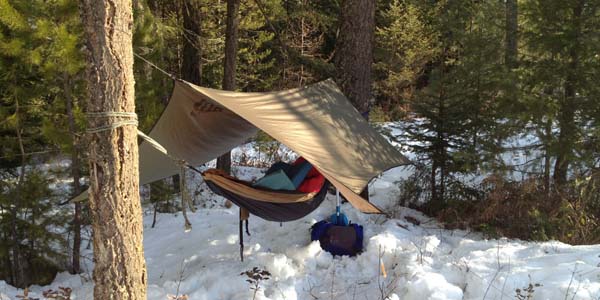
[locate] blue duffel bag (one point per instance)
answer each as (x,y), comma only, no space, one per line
(338,239)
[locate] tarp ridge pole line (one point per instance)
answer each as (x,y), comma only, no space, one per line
(155,66)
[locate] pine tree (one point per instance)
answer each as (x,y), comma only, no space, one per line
(406,46)
(62,66)
(120,270)
(511,37)
(560,65)
(155,31)
(191,66)
(354,51)
(304,28)
(229,65)
(461,110)
(257,69)
(36,55)
(354,55)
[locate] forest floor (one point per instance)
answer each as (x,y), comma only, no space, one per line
(421,259)
(409,256)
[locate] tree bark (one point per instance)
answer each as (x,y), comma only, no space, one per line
(229,65)
(75,166)
(231,45)
(568,105)
(511,54)
(354,55)
(191,67)
(120,270)
(18,274)
(191,64)
(547,155)
(566,136)
(433,184)
(354,51)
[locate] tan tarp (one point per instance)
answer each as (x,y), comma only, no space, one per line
(192,129)
(316,121)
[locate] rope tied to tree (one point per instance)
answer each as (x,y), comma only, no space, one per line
(130,118)
(126,119)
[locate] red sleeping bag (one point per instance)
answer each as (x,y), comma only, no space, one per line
(314,180)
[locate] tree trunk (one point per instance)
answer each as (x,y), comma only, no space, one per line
(75,166)
(354,51)
(441,148)
(231,45)
(229,65)
(18,274)
(566,137)
(191,67)
(566,117)
(547,155)
(120,270)
(511,54)
(354,55)
(433,184)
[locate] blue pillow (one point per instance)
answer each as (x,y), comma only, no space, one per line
(276,181)
(300,173)
(279,166)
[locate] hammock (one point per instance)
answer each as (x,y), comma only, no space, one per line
(278,206)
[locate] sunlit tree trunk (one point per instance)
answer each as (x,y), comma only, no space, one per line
(120,270)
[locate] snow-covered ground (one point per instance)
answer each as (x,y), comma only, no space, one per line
(421,260)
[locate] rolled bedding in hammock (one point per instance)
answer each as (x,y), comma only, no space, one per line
(278,206)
